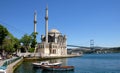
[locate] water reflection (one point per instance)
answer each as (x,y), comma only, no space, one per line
(39,70)
(57,71)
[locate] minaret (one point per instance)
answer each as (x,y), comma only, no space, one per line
(35,21)
(46,24)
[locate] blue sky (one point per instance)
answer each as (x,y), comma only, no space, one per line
(80,20)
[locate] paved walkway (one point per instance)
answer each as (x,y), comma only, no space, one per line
(10,67)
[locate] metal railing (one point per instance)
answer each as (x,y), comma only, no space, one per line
(9,61)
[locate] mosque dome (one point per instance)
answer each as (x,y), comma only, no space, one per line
(54,31)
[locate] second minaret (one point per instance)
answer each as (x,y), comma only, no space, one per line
(46,24)
(35,21)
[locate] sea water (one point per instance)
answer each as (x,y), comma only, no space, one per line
(88,63)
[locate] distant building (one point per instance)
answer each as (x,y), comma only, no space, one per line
(53,43)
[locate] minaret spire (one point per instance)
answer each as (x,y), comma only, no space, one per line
(46,24)
(35,21)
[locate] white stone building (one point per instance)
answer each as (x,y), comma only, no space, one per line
(53,43)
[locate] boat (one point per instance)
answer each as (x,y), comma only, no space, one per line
(58,68)
(3,69)
(46,64)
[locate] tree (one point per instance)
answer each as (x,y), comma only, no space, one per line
(16,44)
(26,41)
(8,46)
(8,42)
(34,41)
(3,33)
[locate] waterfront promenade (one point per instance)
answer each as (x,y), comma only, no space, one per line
(10,66)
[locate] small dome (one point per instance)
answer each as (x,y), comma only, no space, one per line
(54,31)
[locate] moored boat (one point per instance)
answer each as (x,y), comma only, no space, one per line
(46,64)
(58,68)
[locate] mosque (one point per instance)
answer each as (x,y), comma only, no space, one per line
(53,43)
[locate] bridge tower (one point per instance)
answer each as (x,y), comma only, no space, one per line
(92,44)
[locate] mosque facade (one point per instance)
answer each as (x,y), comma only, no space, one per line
(53,43)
